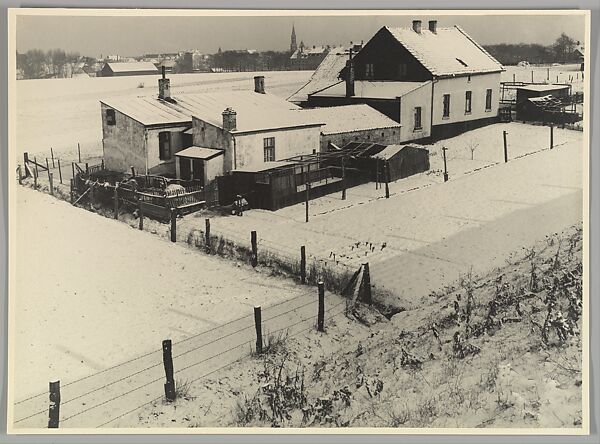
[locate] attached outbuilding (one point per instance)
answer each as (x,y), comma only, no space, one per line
(114,69)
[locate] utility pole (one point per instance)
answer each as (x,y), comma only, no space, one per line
(307,186)
(445,166)
(504,133)
(343,179)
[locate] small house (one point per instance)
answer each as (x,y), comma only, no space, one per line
(533,99)
(114,69)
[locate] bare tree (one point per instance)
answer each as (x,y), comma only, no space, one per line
(472,146)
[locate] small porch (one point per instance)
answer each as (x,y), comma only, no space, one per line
(199,164)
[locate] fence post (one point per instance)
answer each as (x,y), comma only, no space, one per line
(254,258)
(92,195)
(52,156)
(258,325)
(116,199)
(367,297)
(505,146)
(207,235)
(47,165)
(551,136)
(532,76)
(303,264)
(141,213)
(54,410)
(79,152)
(71,192)
(445,166)
(321,313)
(548,73)
(87,169)
(19,174)
(343,179)
(386,167)
(168,364)
(306,190)
(59,171)
(35,166)
(132,171)
(102,163)
(377,174)
(25,162)
(35,177)
(173,225)
(73,169)
(51,181)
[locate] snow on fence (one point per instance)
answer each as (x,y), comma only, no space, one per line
(104,397)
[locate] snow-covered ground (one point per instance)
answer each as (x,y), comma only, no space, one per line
(569,73)
(58,113)
(92,292)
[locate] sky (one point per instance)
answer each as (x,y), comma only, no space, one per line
(137,35)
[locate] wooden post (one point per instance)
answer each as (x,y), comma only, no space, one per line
(51,181)
(35,177)
(306,191)
(141,214)
(548,73)
(92,195)
(19,174)
(52,156)
(132,171)
(505,147)
(532,76)
(367,297)
(254,258)
(377,174)
(343,179)
(173,225)
(79,152)
(386,166)
(73,169)
(168,364)
(258,325)
(303,264)
(102,163)
(445,166)
(47,165)
(87,169)
(514,77)
(59,171)
(71,191)
(207,236)
(54,410)
(35,166)
(116,201)
(25,163)
(321,312)
(551,136)
(556,79)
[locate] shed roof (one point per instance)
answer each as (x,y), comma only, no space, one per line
(376,150)
(448,52)
(372,89)
(198,152)
(341,119)
(131,66)
(543,88)
(255,111)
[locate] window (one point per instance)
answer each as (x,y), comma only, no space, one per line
(418,125)
(468,78)
(402,70)
(446,108)
(369,71)
(488,100)
(110,117)
(468,101)
(269,147)
(164,145)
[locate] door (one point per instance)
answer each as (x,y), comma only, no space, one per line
(198,170)
(185,168)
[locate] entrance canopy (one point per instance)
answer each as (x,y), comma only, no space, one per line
(197,152)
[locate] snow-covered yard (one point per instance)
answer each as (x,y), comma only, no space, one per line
(568,73)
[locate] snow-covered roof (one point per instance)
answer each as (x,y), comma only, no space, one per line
(342,119)
(309,51)
(448,52)
(372,89)
(254,111)
(543,87)
(326,74)
(131,66)
(198,152)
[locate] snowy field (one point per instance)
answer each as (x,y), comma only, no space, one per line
(58,113)
(92,292)
(546,74)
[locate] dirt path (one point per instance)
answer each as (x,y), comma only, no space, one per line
(93,293)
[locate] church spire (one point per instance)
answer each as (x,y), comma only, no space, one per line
(293,45)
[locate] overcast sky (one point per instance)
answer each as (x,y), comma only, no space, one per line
(94,36)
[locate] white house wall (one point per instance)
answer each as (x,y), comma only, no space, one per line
(123,143)
(418,97)
(155,164)
(207,135)
(457,87)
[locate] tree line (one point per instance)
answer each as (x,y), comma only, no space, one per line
(561,51)
(36,64)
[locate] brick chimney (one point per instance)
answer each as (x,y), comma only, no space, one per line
(433,26)
(416,26)
(259,84)
(350,76)
(164,87)
(229,120)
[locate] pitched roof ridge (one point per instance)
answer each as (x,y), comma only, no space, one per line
(481,48)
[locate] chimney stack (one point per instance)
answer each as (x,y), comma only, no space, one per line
(259,84)
(417,26)
(229,120)
(164,87)
(350,76)
(433,26)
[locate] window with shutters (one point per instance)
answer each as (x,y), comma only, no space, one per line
(488,100)
(468,102)
(269,149)
(446,107)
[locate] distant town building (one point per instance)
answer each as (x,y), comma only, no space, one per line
(293,44)
(111,69)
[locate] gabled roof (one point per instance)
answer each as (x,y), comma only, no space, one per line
(309,51)
(327,73)
(131,66)
(372,89)
(255,111)
(448,52)
(342,119)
